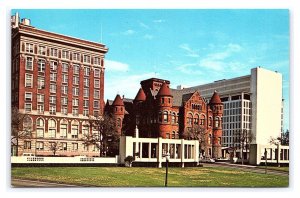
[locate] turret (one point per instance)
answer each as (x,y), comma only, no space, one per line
(140,96)
(118,110)
(216,106)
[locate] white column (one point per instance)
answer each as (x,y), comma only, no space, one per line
(159,156)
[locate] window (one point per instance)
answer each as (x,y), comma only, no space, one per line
(75,80)
(41,82)
(41,65)
(53,52)
(74,146)
(190,119)
(28,80)
(40,145)
(76,69)
(75,91)
(40,98)
(75,111)
(85,92)
(85,112)
(74,131)
(29,48)
(65,54)
(217,122)
(85,129)
(64,89)
(87,71)
(64,110)
(196,119)
(173,118)
(86,82)
(52,99)
(29,63)
(96,104)
(53,65)
(75,102)
(52,88)
(86,59)
(96,94)
(40,127)
(119,122)
(85,103)
(96,60)
(64,78)
(28,96)
(209,121)
(65,67)
(165,116)
(64,101)
(63,129)
(76,56)
(40,108)
(28,107)
(52,110)
(202,120)
(96,113)
(173,135)
(64,146)
(42,50)
(51,128)
(97,83)
(53,77)
(97,73)
(27,145)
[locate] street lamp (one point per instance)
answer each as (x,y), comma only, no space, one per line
(167,161)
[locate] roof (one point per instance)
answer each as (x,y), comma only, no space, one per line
(215,99)
(141,96)
(164,90)
(118,101)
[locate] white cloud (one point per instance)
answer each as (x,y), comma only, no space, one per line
(158,21)
(111,65)
(128,32)
(148,36)
(144,25)
(127,85)
(190,52)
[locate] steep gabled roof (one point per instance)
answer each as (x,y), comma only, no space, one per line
(140,96)
(215,99)
(118,101)
(164,90)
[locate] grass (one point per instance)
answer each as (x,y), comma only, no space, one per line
(286,169)
(150,177)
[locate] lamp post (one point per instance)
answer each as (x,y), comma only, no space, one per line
(265,161)
(167,161)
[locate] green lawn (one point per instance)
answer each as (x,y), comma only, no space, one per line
(152,177)
(286,169)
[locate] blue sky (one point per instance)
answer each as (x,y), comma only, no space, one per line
(187,47)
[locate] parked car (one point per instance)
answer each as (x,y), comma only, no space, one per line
(28,155)
(210,160)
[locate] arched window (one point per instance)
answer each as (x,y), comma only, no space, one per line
(165,116)
(173,118)
(27,123)
(202,120)
(190,119)
(40,124)
(217,122)
(85,128)
(63,128)
(196,119)
(119,121)
(173,135)
(209,139)
(51,128)
(74,129)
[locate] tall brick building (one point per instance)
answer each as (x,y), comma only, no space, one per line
(58,81)
(159,111)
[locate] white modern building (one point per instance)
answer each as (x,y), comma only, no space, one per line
(252,103)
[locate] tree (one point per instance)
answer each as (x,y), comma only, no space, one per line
(199,133)
(104,136)
(242,140)
(21,128)
(276,142)
(285,138)
(54,146)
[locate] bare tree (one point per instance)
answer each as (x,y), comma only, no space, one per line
(104,136)
(199,133)
(242,140)
(21,128)
(276,142)
(54,147)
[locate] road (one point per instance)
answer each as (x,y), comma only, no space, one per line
(31,183)
(247,168)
